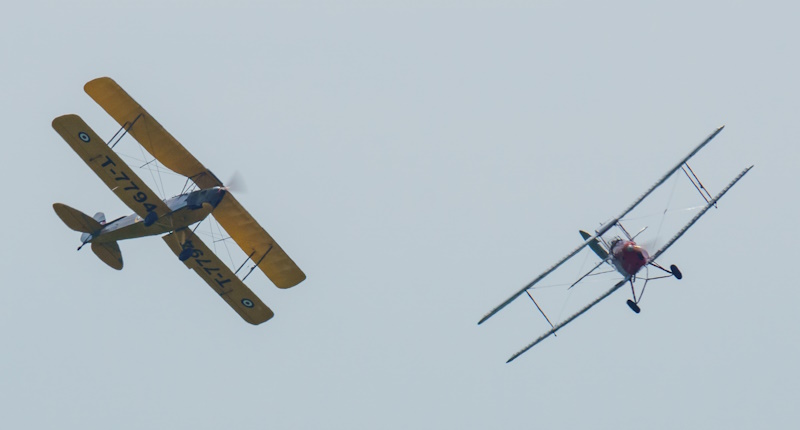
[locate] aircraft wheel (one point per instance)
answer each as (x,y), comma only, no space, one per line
(634,307)
(675,272)
(185,254)
(150,219)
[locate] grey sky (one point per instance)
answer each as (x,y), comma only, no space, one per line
(420,161)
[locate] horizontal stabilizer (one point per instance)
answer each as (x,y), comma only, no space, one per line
(76,219)
(108,252)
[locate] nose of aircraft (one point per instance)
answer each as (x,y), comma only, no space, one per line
(644,256)
(217,196)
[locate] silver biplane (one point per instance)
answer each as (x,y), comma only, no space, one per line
(173,216)
(623,253)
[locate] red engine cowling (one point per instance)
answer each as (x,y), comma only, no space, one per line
(629,256)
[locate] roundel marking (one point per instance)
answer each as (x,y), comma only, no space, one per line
(84,137)
(248,303)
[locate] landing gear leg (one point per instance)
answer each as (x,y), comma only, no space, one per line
(634,304)
(673,270)
(187,249)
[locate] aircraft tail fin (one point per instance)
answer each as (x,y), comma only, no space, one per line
(100,217)
(108,252)
(78,220)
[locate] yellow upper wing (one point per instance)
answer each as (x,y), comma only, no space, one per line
(217,275)
(109,167)
(257,243)
(148,132)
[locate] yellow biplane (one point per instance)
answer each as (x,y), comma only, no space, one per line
(172,216)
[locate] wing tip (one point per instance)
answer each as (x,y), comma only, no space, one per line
(290,283)
(258,321)
(103,80)
(59,119)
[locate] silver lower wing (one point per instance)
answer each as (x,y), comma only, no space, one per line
(568,320)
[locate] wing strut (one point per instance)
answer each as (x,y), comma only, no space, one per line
(540,309)
(257,262)
(245,262)
(696,182)
(122,131)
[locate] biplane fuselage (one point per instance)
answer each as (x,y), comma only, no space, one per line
(186,209)
(629,257)
(625,255)
(171,217)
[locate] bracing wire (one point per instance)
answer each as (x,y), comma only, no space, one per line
(564,305)
(160,188)
(650,215)
(213,237)
(224,242)
(664,214)
(163,191)
(158,167)
(566,284)
(119,135)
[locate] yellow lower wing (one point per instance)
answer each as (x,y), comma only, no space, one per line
(257,243)
(109,167)
(221,279)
